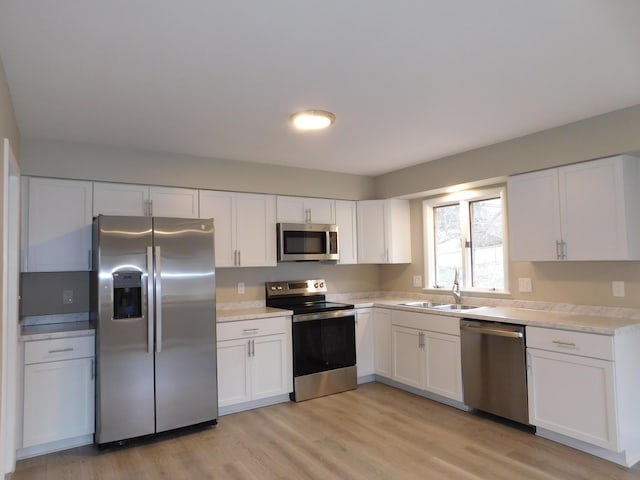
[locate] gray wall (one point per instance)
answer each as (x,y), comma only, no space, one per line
(601,136)
(587,283)
(90,162)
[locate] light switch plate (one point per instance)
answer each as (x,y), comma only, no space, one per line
(524,285)
(417,280)
(617,288)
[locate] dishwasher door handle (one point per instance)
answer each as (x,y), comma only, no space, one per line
(492,331)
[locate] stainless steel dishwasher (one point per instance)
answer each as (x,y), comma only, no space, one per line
(494,370)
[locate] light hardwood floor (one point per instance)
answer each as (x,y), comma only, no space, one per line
(374,432)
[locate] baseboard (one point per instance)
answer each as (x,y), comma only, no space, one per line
(51,447)
(423,393)
(264,402)
(366,379)
(621,458)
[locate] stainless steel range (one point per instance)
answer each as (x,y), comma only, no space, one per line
(324,338)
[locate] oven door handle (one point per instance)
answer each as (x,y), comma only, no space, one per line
(307,317)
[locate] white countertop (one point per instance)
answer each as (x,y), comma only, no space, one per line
(600,324)
(522,316)
(234,315)
(56,330)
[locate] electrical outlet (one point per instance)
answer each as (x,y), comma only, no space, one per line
(240,288)
(417,280)
(524,285)
(67,297)
(617,288)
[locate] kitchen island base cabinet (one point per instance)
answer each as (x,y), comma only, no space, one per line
(254,363)
(58,395)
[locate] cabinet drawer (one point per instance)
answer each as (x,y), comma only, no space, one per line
(39,351)
(252,328)
(576,343)
(426,321)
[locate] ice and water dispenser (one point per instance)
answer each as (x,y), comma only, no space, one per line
(127,295)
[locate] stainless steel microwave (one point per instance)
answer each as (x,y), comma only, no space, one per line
(304,242)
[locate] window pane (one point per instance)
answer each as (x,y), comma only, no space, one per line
(448,247)
(486,244)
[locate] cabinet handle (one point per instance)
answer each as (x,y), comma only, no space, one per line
(560,343)
(420,339)
(90,262)
(250,330)
(239,258)
(93,369)
(151,208)
(253,348)
(564,250)
(558,250)
(62,350)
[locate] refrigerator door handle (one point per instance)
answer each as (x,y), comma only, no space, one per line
(150,300)
(158,302)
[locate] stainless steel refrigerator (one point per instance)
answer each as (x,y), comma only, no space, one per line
(153,301)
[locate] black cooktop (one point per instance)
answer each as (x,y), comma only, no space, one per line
(301,296)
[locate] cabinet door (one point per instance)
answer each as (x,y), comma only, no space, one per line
(573,396)
(119,199)
(364,342)
(234,376)
(397,230)
(59,218)
(347,231)
(371,238)
(443,372)
(534,216)
(173,202)
(408,356)
(221,207)
(58,401)
(305,210)
(256,230)
(271,370)
(382,341)
(592,210)
(321,210)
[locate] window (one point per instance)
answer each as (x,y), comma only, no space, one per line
(465,232)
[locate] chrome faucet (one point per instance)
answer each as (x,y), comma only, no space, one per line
(455,290)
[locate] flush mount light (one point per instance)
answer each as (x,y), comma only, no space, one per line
(312,119)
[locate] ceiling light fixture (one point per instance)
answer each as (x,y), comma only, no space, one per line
(312,119)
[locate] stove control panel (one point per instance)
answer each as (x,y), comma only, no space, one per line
(296,287)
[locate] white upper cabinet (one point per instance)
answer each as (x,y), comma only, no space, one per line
(173,202)
(120,199)
(347,231)
(57,223)
(306,210)
(127,199)
(586,211)
(245,227)
(384,231)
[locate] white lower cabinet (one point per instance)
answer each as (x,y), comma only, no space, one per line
(59,391)
(254,361)
(382,341)
(426,353)
(572,386)
(364,342)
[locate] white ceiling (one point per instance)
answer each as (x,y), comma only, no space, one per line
(409,80)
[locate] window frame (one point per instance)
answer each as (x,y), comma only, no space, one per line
(464,198)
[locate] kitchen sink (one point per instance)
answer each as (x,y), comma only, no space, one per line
(424,304)
(456,307)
